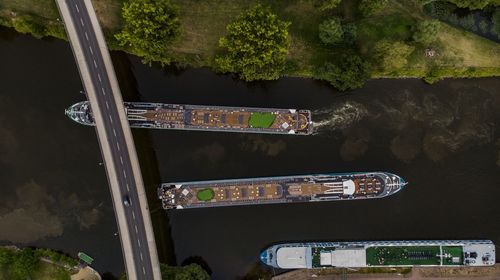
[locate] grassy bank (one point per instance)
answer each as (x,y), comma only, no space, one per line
(458,52)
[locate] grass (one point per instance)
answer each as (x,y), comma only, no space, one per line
(459,53)
(46,271)
(261,120)
(205,194)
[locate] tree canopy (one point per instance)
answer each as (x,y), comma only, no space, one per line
(391,54)
(369,7)
(471,4)
(150,26)
(331,31)
(349,73)
(256,45)
(496,23)
(426,31)
(327,4)
(188,272)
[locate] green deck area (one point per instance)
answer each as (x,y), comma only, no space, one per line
(205,194)
(450,252)
(261,120)
(403,255)
(316,255)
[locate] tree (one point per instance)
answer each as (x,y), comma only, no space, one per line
(150,27)
(350,33)
(24,264)
(326,4)
(256,45)
(369,7)
(426,31)
(471,4)
(188,272)
(6,257)
(349,73)
(391,55)
(330,31)
(495,29)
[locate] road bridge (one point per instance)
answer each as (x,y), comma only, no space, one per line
(115,139)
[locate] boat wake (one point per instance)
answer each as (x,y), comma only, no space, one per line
(338,117)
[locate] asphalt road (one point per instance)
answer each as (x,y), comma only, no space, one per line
(116,139)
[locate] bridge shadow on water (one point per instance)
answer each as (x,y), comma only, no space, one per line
(148,162)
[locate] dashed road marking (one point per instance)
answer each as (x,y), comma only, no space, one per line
(143,271)
(136,229)
(133,215)
(124,174)
(139,242)
(142,257)
(86,36)
(114,132)
(77,10)
(81,20)
(121,160)
(99,77)
(91,51)
(110,119)
(128,189)
(103,92)
(118,146)
(95,64)
(107,106)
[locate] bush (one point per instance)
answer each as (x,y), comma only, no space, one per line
(483,26)
(150,26)
(256,45)
(351,72)
(369,7)
(191,271)
(330,31)
(391,55)
(426,31)
(471,4)
(28,25)
(468,23)
(495,29)
(326,4)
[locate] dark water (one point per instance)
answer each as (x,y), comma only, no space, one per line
(443,139)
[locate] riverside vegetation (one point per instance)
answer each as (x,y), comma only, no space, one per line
(343,42)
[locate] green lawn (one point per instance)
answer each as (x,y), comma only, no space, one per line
(261,120)
(205,194)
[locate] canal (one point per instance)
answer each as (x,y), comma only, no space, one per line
(444,139)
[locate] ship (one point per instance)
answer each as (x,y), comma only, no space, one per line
(206,118)
(286,189)
(432,253)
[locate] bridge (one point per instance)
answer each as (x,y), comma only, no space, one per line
(115,139)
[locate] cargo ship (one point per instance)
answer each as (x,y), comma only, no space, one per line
(448,253)
(207,118)
(287,189)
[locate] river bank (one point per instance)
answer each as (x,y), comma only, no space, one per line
(458,53)
(417,273)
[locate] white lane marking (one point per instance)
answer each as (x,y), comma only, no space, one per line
(124,174)
(136,229)
(91,51)
(139,242)
(103,92)
(142,257)
(95,64)
(143,271)
(107,106)
(81,20)
(118,146)
(110,119)
(99,77)
(121,160)
(86,36)
(133,215)
(76,6)
(114,132)
(128,189)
